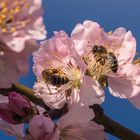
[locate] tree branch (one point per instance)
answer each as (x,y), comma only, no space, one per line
(111,126)
(23,90)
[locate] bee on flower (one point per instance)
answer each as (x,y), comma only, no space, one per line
(109,58)
(59,74)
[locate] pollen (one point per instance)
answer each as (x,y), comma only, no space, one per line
(8,22)
(95,69)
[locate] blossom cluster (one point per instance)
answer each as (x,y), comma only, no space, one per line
(70,70)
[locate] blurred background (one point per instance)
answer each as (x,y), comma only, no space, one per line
(110,14)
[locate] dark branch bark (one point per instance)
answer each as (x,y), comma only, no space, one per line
(113,127)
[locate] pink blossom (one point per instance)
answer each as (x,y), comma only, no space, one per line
(55,53)
(75,125)
(54,100)
(52,52)
(125,82)
(12,64)
(16,110)
(41,127)
(89,93)
(21,21)
(58,53)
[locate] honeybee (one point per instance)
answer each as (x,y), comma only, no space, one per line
(112,60)
(99,53)
(55,77)
(102,56)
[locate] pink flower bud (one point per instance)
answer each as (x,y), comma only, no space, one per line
(41,127)
(19,104)
(6,113)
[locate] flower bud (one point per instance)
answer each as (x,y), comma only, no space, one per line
(6,113)
(19,104)
(18,110)
(41,127)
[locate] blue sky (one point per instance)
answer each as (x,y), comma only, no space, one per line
(110,14)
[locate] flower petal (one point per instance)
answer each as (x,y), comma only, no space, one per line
(127,50)
(75,116)
(91,92)
(135,101)
(122,87)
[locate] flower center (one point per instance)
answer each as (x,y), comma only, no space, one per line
(63,78)
(100,63)
(8,13)
(74,74)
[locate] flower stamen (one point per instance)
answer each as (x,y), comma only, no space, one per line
(8,14)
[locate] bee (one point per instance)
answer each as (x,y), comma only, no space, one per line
(102,56)
(112,60)
(54,77)
(99,53)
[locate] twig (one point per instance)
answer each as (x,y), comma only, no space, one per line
(111,126)
(23,90)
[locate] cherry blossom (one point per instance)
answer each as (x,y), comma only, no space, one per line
(122,75)
(21,21)
(57,54)
(75,125)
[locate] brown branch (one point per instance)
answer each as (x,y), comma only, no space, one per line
(111,126)
(23,90)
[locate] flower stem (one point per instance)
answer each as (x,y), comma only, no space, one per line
(111,126)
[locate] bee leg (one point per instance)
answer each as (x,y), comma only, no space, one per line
(85,60)
(49,88)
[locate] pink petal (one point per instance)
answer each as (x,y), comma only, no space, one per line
(122,87)
(91,92)
(127,51)
(132,72)
(119,32)
(3,99)
(76,116)
(135,101)
(85,33)
(41,127)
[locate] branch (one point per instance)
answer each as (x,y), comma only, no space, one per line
(111,126)
(23,90)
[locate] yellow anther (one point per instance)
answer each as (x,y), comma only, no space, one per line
(4,30)
(17,9)
(110,33)
(3,4)
(16,3)
(4,10)
(7,14)
(13,29)
(3,17)
(26,5)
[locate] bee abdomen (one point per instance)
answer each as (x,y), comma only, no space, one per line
(58,80)
(113,62)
